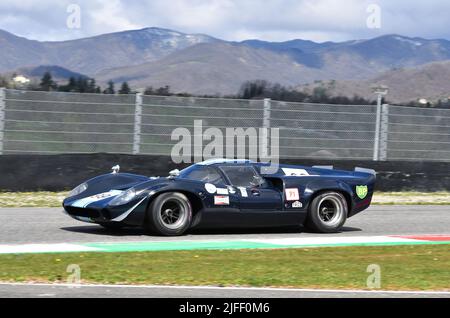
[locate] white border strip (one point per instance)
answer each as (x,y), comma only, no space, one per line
(302,242)
(156,239)
(45,248)
(305,241)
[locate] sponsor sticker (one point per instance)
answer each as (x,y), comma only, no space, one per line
(222,191)
(211,188)
(362,191)
(292,194)
(221,200)
(295,172)
(244,193)
(297,205)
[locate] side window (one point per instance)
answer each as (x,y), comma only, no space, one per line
(206,175)
(243,176)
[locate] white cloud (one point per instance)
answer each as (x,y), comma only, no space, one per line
(109,16)
(319,20)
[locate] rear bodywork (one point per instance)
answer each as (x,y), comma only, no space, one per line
(283,200)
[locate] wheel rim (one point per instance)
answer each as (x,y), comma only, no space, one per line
(173,214)
(330,211)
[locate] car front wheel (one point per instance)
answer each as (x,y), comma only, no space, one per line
(170,214)
(327,213)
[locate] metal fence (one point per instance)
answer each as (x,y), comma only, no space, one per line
(54,123)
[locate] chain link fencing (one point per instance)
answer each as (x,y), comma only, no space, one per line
(57,123)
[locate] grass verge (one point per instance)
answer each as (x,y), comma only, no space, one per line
(402,267)
(411,198)
(54,199)
(31,199)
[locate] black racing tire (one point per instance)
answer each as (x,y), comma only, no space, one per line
(327,213)
(170,214)
(112,226)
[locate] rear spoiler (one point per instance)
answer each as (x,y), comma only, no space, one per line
(357,169)
(324,167)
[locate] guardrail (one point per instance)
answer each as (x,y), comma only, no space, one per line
(60,123)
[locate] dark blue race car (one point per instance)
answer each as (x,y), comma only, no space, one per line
(226,194)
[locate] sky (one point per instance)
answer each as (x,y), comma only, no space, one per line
(233,20)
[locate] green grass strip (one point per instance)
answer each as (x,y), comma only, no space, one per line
(230,245)
(178,246)
(402,267)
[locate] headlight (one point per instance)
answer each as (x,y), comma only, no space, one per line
(78,190)
(123,198)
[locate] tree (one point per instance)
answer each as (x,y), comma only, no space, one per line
(91,86)
(72,85)
(4,82)
(110,89)
(262,89)
(320,94)
(149,91)
(82,85)
(254,89)
(125,89)
(47,83)
(163,91)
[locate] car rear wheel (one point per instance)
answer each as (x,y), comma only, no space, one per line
(327,213)
(170,214)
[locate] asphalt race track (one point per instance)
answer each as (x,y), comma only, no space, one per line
(41,225)
(117,291)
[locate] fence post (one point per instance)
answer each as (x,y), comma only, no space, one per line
(137,124)
(376,142)
(266,126)
(2,118)
(384,132)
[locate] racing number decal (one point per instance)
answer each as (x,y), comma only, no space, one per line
(292,194)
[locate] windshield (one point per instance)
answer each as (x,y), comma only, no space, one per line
(243,176)
(203,174)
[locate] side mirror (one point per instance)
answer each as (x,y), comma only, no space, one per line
(174,173)
(115,169)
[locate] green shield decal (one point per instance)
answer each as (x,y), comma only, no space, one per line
(362,191)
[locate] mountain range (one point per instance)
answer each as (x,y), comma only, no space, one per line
(202,64)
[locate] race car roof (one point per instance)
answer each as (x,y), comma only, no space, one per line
(220,161)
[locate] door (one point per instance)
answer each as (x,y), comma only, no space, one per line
(256,194)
